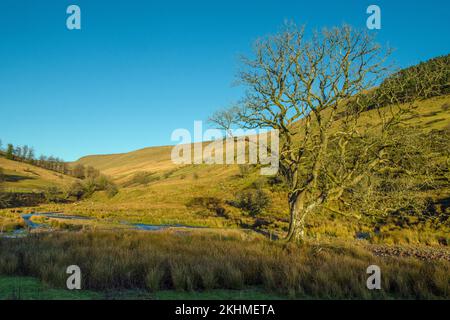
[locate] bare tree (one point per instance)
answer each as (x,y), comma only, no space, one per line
(18,152)
(24,154)
(225,119)
(314,91)
(3,198)
(30,155)
(79,171)
(10,152)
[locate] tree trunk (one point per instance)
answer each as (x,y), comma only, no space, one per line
(297,216)
(300,205)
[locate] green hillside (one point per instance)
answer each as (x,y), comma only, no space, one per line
(26,177)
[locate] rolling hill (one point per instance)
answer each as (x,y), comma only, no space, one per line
(25,177)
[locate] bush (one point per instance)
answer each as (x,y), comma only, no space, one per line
(85,189)
(53,194)
(208,204)
(90,186)
(111,190)
(142,178)
(75,190)
(253,201)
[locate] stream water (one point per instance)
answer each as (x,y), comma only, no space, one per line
(33,225)
(30,225)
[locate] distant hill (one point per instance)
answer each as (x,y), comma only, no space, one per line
(122,165)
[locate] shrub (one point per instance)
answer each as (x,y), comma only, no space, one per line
(111,190)
(53,194)
(253,201)
(142,178)
(211,204)
(277,183)
(85,189)
(75,190)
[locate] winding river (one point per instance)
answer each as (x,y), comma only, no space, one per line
(31,225)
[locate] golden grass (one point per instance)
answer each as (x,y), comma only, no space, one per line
(203,261)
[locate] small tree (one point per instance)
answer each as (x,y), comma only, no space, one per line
(111,190)
(4,202)
(91,172)
(52,194)
(79,171)
(24,154)
(10,152)
(18,152)
(30,155)
(253,201)
(76,190)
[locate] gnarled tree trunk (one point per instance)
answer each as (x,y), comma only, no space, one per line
(300,205)
(297,216)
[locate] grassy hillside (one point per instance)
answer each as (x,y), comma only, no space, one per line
(122,166)
(25,177)
(118,165)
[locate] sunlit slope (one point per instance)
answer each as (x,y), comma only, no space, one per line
(118,165)
(431,114)
(25,177)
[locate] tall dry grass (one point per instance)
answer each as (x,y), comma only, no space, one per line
(185,261)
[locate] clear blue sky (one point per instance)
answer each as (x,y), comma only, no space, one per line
(140,69)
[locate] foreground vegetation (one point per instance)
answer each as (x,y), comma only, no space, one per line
(28,288)
(198,261)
